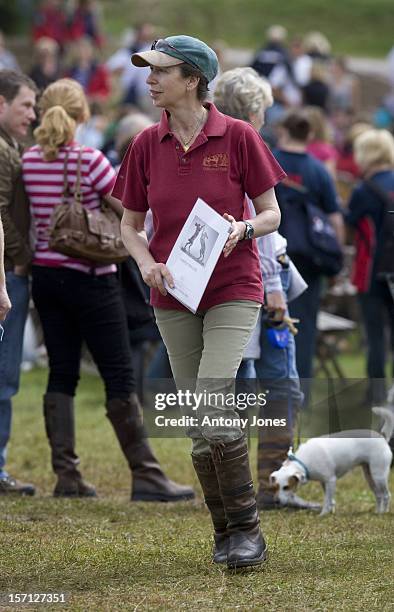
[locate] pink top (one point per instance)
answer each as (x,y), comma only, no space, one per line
(44,187)
(227,160)
(324,151)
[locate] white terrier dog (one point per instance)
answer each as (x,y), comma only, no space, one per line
(329,457)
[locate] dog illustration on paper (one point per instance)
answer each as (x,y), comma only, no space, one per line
(189,243)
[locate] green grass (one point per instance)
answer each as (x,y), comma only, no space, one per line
(110,554)
(357,27)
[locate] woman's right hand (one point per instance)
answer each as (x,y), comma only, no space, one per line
(5,304)
(153,275)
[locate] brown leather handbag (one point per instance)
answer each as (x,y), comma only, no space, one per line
(85,234)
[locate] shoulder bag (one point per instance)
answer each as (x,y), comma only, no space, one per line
(85,234)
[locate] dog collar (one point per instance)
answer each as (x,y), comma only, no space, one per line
(292,457)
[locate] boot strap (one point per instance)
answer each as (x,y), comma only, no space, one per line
(244,488)
(221,451)
(226,458)
(235,516)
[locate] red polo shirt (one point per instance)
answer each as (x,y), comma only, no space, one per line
(227,160)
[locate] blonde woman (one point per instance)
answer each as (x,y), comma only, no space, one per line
(79,301)
(374,154)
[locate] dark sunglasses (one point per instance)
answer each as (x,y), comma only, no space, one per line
(163,45)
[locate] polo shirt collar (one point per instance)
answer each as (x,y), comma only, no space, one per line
(216,124)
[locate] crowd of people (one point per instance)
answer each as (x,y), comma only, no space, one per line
(140,136)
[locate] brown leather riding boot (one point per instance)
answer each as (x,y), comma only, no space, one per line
(205,470)
(271,452)
(59,424)
(149,481)
(246,546)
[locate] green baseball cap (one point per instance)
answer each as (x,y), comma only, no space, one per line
(175,50)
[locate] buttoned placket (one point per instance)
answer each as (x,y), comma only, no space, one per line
(184,157)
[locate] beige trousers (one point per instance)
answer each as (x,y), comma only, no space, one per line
(205,351)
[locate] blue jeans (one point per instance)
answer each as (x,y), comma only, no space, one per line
(277,366)
(11,355)
(159,366)
(246,369)
(246,377)
(306,308)
(277,372)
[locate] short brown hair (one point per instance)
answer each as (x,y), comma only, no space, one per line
(297,124)
(11,82)
(202,87)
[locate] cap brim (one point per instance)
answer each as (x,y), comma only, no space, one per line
(154,58)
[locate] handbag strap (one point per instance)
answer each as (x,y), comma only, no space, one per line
(66,187)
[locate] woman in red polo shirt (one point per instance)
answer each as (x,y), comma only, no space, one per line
(166,169)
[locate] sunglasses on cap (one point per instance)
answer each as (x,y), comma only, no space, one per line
(162,45)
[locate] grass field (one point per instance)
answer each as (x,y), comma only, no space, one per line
(356,27)
(110,554)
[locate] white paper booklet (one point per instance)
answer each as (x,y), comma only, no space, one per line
(195,253)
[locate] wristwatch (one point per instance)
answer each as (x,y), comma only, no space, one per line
(249,231)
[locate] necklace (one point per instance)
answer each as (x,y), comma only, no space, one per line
(186,143)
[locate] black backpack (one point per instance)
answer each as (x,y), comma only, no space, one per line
(385,239)
(308,230)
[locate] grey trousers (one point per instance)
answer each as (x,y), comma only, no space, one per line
(205,351)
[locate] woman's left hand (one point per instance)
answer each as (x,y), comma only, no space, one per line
(237,234)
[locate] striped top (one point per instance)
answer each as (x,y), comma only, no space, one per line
(44,186)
